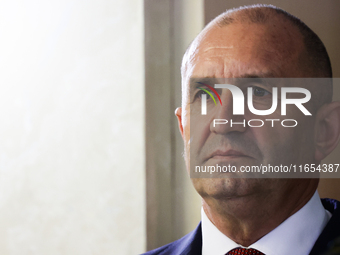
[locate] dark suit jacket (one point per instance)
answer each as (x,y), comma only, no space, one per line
(191,244)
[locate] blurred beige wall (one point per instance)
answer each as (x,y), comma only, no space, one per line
(72,168)
(173,206)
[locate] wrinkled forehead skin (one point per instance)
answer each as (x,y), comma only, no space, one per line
(275,49)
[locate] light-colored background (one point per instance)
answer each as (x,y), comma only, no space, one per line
(72,165)
(90,153)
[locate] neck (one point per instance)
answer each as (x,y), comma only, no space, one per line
(246,219)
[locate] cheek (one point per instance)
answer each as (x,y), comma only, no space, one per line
(200,130)
(285,145)
(196,128)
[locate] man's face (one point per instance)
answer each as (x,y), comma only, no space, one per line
(236,51)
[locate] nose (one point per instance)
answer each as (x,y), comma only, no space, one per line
(224,120)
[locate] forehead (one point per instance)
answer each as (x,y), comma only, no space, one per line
(239,50)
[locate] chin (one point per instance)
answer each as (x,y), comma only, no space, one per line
(216,187)
(228,188)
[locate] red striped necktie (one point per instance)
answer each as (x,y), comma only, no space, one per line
(242,251)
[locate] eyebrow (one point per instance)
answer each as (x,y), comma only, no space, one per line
(199,82)
(196,82)
(260,77)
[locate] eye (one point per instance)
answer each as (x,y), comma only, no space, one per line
(260,92)
(204,91)
(200,93)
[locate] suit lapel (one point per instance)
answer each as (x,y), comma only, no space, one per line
(193,244)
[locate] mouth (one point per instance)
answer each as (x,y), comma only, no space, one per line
(228,154)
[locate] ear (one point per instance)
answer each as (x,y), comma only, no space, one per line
(327,131)
(178,113)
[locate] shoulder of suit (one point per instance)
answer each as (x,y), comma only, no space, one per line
(186,245)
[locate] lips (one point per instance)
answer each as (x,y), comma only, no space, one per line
(222,154)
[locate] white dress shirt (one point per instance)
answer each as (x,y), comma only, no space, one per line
(295,236)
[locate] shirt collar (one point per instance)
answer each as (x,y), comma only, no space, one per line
(296,235)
